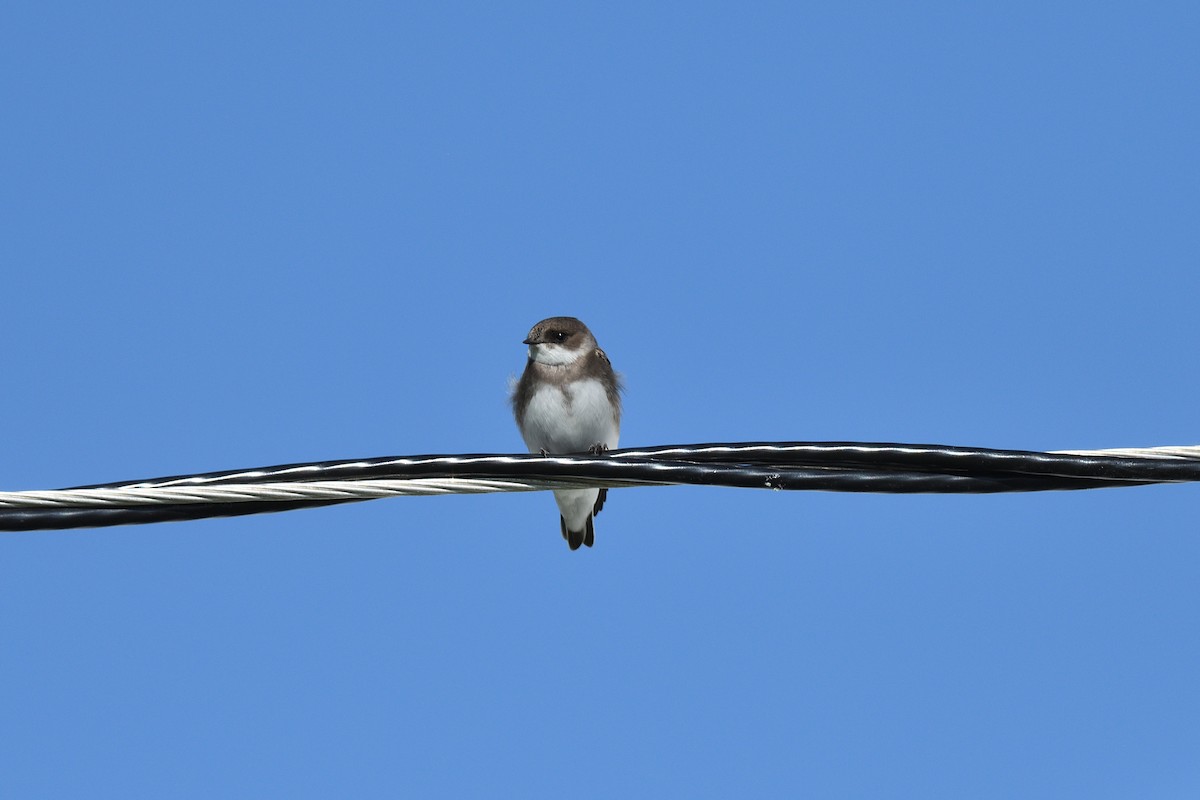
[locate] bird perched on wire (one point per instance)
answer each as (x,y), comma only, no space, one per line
(568,401)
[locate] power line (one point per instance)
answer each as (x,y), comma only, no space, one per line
(787,466)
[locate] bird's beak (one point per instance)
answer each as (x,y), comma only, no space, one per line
(529,341)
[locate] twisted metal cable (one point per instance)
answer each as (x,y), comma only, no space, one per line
(828,466)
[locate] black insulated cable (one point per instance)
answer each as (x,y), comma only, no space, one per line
(788,466)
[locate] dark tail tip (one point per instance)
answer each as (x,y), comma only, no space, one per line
(589,535)
(574,538)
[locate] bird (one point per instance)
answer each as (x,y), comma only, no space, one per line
(568,400)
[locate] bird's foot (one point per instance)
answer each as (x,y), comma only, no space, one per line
(598,448)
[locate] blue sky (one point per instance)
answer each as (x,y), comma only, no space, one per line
(246,234)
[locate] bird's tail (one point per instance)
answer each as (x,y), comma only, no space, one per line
(576,538)
(587,534)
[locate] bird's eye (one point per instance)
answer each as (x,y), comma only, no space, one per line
(558,336)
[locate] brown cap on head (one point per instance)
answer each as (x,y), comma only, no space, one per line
(566,331)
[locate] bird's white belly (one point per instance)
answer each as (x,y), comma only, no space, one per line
(569,419)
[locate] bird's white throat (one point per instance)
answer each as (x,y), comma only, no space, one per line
(554,355)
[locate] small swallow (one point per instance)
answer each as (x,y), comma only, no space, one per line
(568,401)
